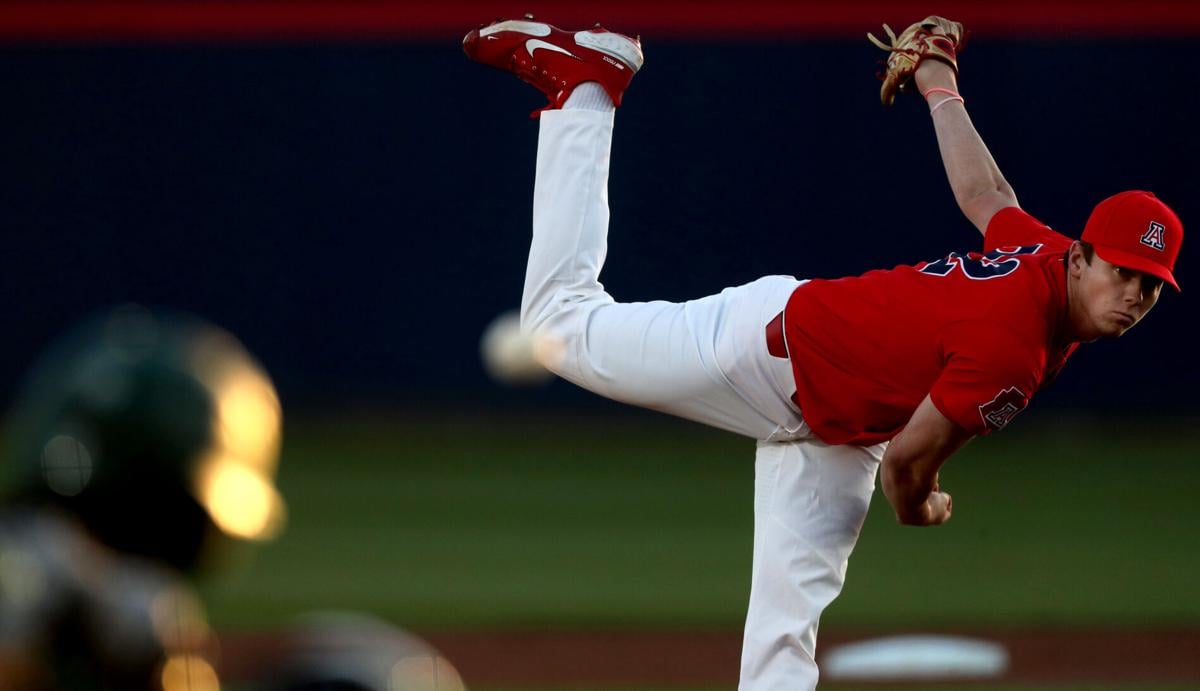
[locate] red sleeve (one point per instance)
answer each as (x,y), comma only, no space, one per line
(1011,226)
(989,376)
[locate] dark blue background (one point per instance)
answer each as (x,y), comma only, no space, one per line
(358,213)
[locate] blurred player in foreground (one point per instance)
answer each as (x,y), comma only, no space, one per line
(142,447)
(835,379)
(349,651)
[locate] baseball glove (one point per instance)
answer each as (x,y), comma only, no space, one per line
(932,37)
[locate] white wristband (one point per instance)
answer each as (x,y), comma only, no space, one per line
(945,101)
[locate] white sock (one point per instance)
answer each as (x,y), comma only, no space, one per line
(589,96)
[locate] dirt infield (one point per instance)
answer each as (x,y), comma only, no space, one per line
(691,658)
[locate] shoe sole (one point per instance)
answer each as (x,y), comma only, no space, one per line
(613,45)
(521,27)
(608,43)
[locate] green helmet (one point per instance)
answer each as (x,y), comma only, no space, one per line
(159,432)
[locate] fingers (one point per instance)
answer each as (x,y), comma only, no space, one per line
(887,92)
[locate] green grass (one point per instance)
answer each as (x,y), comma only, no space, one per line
(502,522)
(1084,528)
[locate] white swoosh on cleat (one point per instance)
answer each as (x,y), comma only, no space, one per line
(533,44)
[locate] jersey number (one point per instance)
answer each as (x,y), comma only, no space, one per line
(994,264)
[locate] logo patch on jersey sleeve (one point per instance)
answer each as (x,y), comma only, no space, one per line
(1153,237)
(1000,411)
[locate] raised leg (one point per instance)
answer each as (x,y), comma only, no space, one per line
(704,360)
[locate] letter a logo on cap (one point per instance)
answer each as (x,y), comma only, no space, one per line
(1153,237)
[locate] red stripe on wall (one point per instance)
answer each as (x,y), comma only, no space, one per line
(133,20)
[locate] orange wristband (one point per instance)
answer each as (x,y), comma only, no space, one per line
(939,90)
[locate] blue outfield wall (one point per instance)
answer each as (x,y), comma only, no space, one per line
(358,212)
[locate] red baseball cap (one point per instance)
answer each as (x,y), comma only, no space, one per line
(1135,230)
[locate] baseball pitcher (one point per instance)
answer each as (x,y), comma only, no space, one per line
(886,373)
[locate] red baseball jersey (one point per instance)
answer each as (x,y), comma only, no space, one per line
(979,333)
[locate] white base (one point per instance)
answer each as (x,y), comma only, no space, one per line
(915,657)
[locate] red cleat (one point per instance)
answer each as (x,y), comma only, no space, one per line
(556,61)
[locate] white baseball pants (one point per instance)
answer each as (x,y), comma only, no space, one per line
(704,360)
